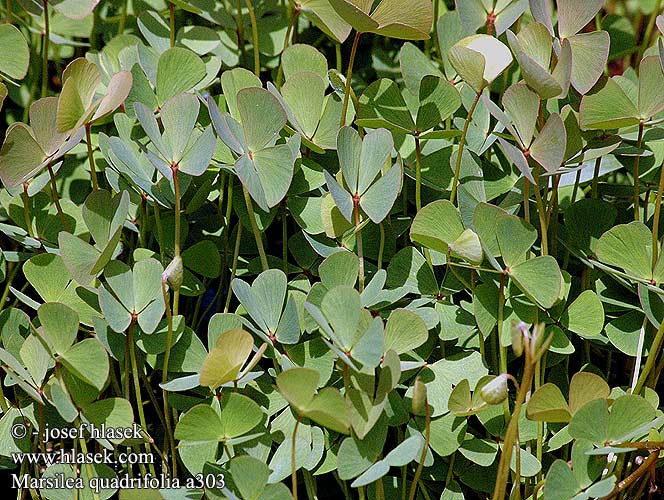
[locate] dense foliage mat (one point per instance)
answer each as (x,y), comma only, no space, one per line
(263,249)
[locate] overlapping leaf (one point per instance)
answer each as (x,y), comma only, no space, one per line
(130,295)
(27,150)
(479,59)
(326,407)
(267,303)
(181,144)
(361,160)
(264,167)
(78,105)
(390,18)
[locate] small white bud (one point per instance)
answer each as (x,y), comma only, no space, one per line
(174,273)
(495,391)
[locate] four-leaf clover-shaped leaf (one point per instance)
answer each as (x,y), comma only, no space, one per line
(351,329)
(520,118)
(181,145)
(361,161)
(130,295)
(264,167)
(264,302)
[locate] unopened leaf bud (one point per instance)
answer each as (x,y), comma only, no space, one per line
(174,273)
(495,391)
(519,330)
(419,396)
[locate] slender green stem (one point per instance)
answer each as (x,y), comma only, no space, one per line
(123,17)
(474,268)
(516,488)
(199,300)
(171,15)
(56,198)
(649,29)
(652,358)
(639,351)
(177,243)
(646,205)
(254,34)
(427,437)
(339,61)
(9,11)
(160,231)
(289,31)
(450,470)
(310,485)
(436,41)
(176,188)
(26,210)
(349,77)
(553,201)
(153,399)
(143,222)
(450,265)
(164,377)
(91,160)
(284,236)
(346,376)
(418,174)
(418,189)
(541,213)
(512,431)
(380,490)
(598,163)
(637,161)
(575,190)
(540,425)
(577,181)
(88,466)
(229,203)
(137,384)
(240,27)
(222,193)
(502,350)
(342,485)
(254,228)
(45,45)
(127,371)
(293,465)
(462,143)
(656,215)
(526,200)
(236,254)
(381,245)
(358,236)
(94,37)
(227,224)
(227,451)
